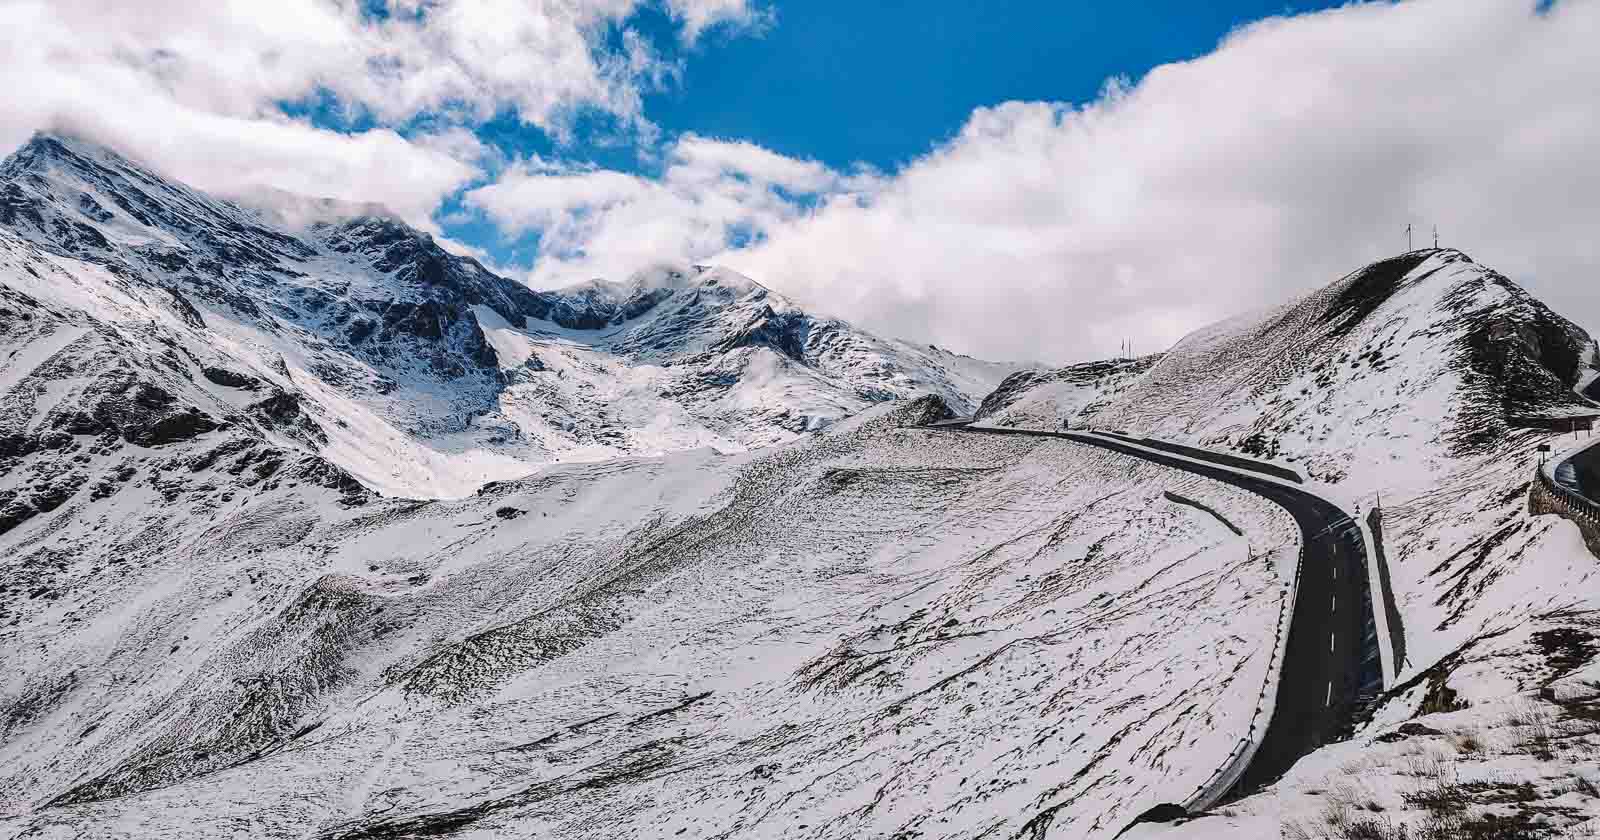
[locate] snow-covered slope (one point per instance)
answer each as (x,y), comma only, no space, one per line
(429,374)
(1416,379)
(211,626)
(1420,381)
(880,630)
(1048,398)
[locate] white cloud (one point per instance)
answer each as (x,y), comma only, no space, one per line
(1296,151)
(601,223)
(195,86)
(699,15)
(706,160)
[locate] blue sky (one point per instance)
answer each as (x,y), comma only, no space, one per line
(953,172)
(877,83)
(845,84)
(881,82)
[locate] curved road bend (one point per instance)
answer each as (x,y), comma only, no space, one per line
(1580,473)
(1223,458)
(1325,667)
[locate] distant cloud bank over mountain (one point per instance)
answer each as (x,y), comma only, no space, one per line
(1054,230)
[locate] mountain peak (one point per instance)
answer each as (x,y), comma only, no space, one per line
(78,197)
(46,151)
(1467,356)
(397,345)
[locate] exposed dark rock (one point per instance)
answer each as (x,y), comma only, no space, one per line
(172,428)
(283,411)
(231,379)
(1518,359)
(45,497)
(186,310)
(358,330)
(1407,730)
(922,411)
(91,208)
(787,333)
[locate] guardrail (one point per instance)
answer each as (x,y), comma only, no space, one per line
(1547,496)
(1576,504)
(1239,758)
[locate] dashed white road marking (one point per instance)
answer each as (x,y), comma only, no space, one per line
(1326,701)
(1335,605)
(1335,572)
(1330,642)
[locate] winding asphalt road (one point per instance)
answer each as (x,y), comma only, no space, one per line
(1331,664)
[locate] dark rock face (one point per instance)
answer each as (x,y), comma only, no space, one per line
(17,207)
(1518,358)
(788,333)
(20,507)
(424,320)
(172,428)
(283,411)
(91,208)
(187,310)
(119,403)
(359,330)
(639,303)
(231,379)
(922,411)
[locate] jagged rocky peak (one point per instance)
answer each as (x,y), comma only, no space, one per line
(616,303)
(392,343)
(79,198)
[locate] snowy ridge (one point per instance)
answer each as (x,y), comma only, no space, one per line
(1039,398)
(692,579)
(430,374)
(1402,381)
(1425,382)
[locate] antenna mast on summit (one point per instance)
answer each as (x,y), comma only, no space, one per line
(1408,237)
(1435,237)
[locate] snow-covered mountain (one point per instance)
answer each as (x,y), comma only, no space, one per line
(210,625)
(1426,383)
(427,374)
